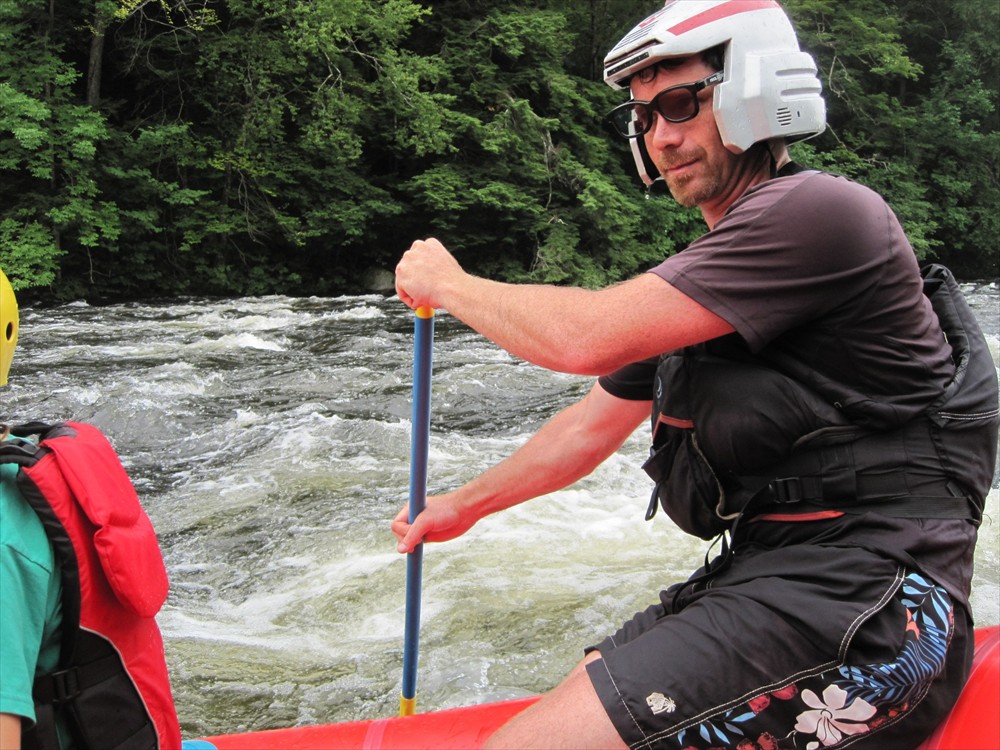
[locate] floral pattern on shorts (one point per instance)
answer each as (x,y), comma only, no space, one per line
(832,707)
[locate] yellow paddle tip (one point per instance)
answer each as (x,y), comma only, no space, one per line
(425,312)
(407,706)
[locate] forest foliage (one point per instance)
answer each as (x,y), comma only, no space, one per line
(177,147)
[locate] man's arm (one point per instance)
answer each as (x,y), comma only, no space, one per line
(560,328)
(567,447)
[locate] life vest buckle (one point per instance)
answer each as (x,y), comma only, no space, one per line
(65,685)
(790,490)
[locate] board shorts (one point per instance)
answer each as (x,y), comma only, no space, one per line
(809,647)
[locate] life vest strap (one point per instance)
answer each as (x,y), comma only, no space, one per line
(843,477)
(64,686)
(807,495)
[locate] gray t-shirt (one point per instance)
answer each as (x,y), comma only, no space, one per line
(818,268)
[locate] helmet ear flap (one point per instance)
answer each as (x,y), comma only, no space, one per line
(771,95)
(643,163)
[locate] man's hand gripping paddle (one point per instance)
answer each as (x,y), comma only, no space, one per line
(423,342)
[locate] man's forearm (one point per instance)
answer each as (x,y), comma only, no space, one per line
(567,329)
(567,448)
(545,325)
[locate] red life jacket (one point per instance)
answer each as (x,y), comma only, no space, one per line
(111,687)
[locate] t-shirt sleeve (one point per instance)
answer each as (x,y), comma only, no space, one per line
(24,585)
(29,593)
(632,382)
(789,252)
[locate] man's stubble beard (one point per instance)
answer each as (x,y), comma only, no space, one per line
(688,193)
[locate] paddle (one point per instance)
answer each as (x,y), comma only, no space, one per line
(423,341)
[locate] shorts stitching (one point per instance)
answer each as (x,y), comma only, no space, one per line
(903,715)
(863,617)
(621,698)
(648,740)
(710,712)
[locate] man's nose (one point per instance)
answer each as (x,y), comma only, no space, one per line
(663,133)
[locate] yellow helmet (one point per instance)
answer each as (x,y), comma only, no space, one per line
(8,326)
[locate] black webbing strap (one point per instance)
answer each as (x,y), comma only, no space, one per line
(65,685)
(810,494)
(796,495)
(825,479)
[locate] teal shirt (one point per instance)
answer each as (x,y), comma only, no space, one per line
(31,597)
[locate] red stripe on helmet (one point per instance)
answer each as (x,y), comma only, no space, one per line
(722,11)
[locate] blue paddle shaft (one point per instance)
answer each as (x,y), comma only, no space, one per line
(420,437)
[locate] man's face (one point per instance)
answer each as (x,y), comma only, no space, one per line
(697,168)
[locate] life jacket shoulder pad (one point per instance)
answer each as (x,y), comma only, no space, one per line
(111,685)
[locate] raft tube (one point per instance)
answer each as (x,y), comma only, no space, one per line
(463,728)
(974,723)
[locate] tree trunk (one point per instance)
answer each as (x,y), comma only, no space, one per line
(95,63)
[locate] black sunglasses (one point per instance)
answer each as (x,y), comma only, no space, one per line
(674,104)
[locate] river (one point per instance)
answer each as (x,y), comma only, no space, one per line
(268,439)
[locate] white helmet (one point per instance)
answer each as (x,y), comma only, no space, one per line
(769,88)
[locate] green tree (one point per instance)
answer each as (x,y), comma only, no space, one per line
(279,101)
(534,187)
(47,153)
(76,186)
(253,146)
(911,90)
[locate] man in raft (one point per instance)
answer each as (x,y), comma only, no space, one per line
(819,401)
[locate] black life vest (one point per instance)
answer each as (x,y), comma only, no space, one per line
(735,433)
(111,686)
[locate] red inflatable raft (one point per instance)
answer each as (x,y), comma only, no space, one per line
(974,724)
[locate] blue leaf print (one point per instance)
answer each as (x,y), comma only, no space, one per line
(921,657)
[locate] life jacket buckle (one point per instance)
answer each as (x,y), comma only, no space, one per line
(787,490)
(808,489)
(65,685)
